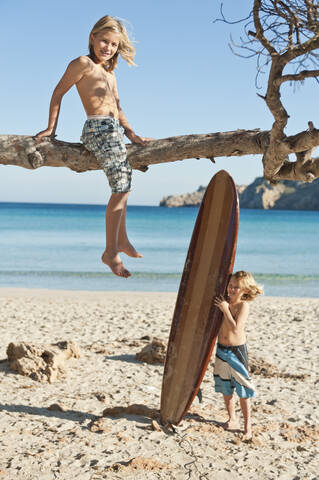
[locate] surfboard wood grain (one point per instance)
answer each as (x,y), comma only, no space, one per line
(196,321)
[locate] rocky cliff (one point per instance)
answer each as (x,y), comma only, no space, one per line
(286,195)
(185,200)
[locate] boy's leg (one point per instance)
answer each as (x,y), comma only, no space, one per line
(124,245)
(245,408)
(113,217)
(232,423)
(100,138)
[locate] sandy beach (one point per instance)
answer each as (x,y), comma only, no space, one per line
(73,440)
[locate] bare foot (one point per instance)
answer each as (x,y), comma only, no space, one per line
(129,250)
(230,425)
(248,436)
(115,264)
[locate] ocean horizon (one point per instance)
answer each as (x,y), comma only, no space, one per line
(58,246)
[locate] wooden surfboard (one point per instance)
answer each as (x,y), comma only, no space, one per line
(196,320)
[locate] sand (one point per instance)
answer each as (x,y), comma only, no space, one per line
(73,441)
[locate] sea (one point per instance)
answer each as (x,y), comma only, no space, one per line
(58,246)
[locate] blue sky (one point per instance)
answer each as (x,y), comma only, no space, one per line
(187,81)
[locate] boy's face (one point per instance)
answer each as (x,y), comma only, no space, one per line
(105,45)
(234,290)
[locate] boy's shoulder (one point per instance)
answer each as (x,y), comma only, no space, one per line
(83,61)
(80,67)
(241,307)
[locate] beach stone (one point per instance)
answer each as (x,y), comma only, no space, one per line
(57,407)
(43,363)
(100,425)
(101,397)
(153,353)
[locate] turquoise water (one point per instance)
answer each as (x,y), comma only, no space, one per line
(59,246)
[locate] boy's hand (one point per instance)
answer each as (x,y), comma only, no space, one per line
(136,139)
(44,133)
(222,304)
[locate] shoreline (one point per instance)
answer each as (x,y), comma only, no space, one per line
(94,294)
(46,292)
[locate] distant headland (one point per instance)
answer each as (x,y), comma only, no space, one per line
(260,194)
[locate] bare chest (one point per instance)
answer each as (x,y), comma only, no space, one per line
(97,83)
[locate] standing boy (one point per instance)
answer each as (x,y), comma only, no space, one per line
(231,364)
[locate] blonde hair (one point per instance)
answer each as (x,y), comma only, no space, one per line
(248,284)
(125,49)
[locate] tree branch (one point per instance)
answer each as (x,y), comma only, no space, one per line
(298,76)
(301,49)
(259,29)
(305,168)
(25,152)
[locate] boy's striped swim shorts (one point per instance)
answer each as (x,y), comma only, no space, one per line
(231,371)
(103,136)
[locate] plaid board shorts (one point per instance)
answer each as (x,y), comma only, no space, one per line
(103,136)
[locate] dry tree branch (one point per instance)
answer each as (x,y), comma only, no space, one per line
(284,33)
(302,49)
(25,152)
(298,77)
(259,29)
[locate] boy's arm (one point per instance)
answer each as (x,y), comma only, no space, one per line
(129,132)
(73,74)
(235,324)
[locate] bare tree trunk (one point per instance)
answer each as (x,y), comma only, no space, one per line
(281,34)
(275,156)
(25,152)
